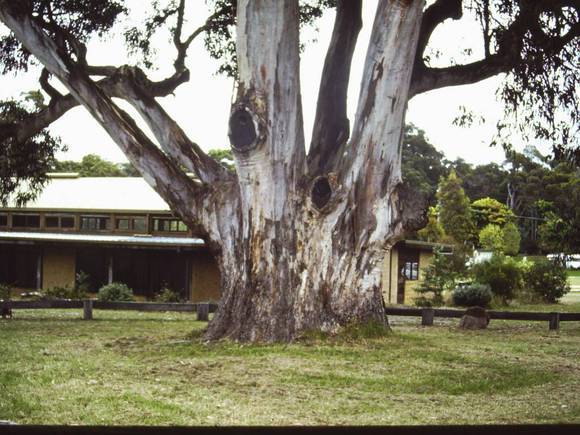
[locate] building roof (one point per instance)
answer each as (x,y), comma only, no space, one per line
(65,192)
(136,240)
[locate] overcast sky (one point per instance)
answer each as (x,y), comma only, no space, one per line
(201,106)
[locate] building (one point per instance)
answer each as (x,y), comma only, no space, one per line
(403,269)
(113,229)
(120,230)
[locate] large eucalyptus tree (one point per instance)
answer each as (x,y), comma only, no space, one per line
(299,236)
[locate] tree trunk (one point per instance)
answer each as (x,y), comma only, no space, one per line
(311,247)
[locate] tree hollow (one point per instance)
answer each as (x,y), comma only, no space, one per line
(242,130)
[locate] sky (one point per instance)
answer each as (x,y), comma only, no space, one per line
(202,105)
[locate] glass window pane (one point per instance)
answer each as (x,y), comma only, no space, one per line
(139,225)
(181,226)
(33,221)
(26,221)
(51,222)
(122,224)
(103,223)
(18,220)
(3,220)
(67,222)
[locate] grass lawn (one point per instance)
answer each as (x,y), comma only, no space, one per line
(131,368)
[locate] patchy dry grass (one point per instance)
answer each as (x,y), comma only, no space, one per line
(128,368)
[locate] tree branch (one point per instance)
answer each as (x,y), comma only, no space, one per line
(426,79)
(38,121)
(370,164)
(47,87)
(133,86)
(331,126)
(508,55)
(434,15)
(182,47)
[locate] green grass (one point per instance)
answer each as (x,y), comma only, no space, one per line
(131,368)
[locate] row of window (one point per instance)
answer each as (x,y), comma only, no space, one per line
(95,223)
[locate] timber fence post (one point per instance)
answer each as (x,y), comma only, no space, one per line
(203,311)
(554,321)
(427,315)
(88,309)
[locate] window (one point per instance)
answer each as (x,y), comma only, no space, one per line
(137,224)
(59,221)
(51,222)
(67,222)
(409,264)
(3,220)
(94,223)
(123,224)
(411,270)
(26,221)
(168,225)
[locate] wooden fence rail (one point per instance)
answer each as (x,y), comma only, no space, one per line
(204,308)
(427,315)
(201,308)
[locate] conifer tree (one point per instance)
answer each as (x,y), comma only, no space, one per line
(454,212)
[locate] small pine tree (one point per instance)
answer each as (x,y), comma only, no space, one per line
(439,276)
(433,231)
(454,212)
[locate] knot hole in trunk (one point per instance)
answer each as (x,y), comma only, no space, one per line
(321,192)
(242,129)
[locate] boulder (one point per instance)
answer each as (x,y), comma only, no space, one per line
(474,318)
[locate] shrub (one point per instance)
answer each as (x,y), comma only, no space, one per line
(64,292)
(115,292)
(5,292)
(167,295)
(547,280)
(472,295)
(58,292)
(491,238)
(501,273)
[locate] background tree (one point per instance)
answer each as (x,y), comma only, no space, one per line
(554,235)
(488,211)
(455,213)
(93,165)
(486,181)
(299,237)
(422,164)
